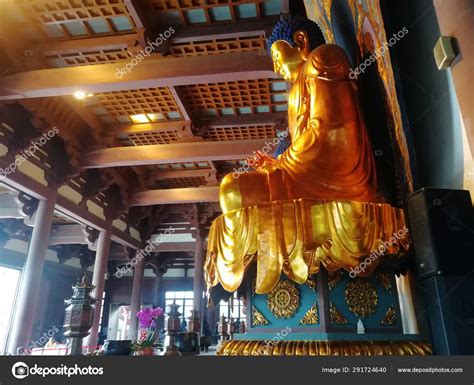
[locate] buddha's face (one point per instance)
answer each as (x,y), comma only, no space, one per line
(286,60)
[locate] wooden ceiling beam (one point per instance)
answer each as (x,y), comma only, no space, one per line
(225,121)
(189,263)
(87,44)
(176,125)
(134,12)
(163,175)
(67,235)
(175,246)
(181,103)
(137,16)
(175,196)
(22,182)
(171,153)
(276,118)
(149,73)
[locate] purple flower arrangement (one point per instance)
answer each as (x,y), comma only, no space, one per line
(147,341)
(147,317)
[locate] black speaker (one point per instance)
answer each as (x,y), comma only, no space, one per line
(449,309)
(442,230)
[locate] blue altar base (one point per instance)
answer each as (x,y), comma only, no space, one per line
(373,300)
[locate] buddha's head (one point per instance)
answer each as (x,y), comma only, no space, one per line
(292,40)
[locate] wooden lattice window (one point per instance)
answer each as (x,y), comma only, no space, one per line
(77,18)
(213,11)
(88,58)
(261,131)
(218,46)
(195,181)
(147,138)
(235,98)
(153,101)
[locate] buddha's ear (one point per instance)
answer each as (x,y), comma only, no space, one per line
(302,42)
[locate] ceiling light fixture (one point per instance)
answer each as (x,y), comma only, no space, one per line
(140,118)
(81,95)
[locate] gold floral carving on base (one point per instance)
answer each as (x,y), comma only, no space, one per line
(361,297)
(385,281)
(389,317)
(284,299)
(324,348)
(336,316)
(258,319)
(311,316)
(333,278)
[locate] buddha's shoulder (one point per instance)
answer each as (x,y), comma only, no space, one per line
(327,57)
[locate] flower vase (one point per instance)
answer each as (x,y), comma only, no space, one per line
(148,351)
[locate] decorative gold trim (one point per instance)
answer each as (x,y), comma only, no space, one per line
(284,299)
(311,316)
(336,316)
(311,282)
(324,348)
(361,297)
(389,317)
(333,278)
(385,281)
(258,319)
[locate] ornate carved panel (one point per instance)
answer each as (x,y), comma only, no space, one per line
(284,300)
(361,297)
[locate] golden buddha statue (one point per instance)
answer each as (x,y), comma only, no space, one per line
(318,201)
(330,156)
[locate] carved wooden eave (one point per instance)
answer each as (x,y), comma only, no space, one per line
(50,113)
(200,217)
(82,252)
(26,205)
(20,181)
(150,223)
